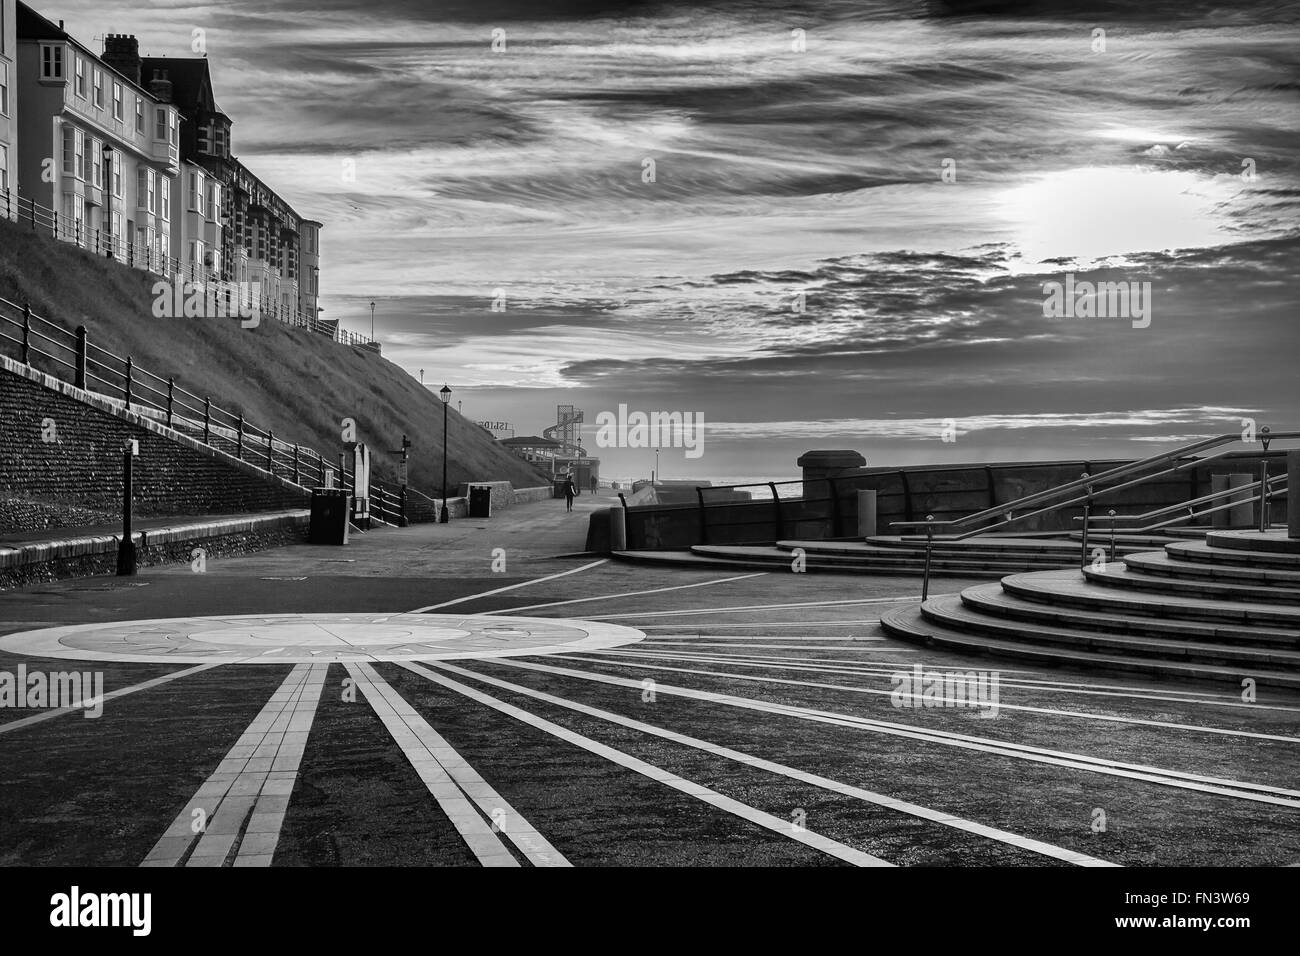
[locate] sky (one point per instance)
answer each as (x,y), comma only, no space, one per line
(818,224)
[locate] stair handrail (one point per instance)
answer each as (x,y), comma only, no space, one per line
(1083,482)
(1086,483)
(1235,493)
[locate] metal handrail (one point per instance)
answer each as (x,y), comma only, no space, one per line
(1086,482)
(1117,472)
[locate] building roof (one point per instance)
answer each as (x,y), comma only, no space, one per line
(189,76)
(30,25)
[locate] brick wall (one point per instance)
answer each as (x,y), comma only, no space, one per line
(61,445)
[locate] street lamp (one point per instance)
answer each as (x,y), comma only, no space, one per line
(108,197)
(445,394)
(315,293)
(372,321)
(655,475)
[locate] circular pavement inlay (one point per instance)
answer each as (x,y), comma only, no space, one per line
(299,638)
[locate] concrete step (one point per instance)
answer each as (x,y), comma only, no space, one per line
(1163,563)
(909,625)
(1119,576)
(858,549)
(779,556)
(769,563)
(1273,541)
(993,599)
(949,610)
(1200,551)
(1082,590)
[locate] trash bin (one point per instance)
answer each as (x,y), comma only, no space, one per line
(480,501)
(329,516)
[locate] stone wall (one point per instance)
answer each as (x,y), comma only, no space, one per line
(60,445)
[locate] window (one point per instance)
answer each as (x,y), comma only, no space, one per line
(205,138)
(74,152)
(160,125)
(4,89)
(171,127)
(117,174)
(117,102)
(99,89)
(4,173)
(221,141)
(151,192)
(96,164)
(139,115)
(51,61)
(165,187)
(196,194)
(141,185)
(81,78)
(214,202)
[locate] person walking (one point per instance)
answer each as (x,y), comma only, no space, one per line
(595,485)
(569,491)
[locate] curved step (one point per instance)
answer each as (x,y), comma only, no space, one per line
(993,599)
(1118,576)
(1026,559)
(950,611)
(688,559)
(1073,589)
(1161,562)
(1200,551)
(1274,540)
(907,624)
(776,556)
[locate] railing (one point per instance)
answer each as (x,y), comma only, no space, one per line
(73,357)
(1043,502)
(124,250)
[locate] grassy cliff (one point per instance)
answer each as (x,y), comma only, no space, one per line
(295,382)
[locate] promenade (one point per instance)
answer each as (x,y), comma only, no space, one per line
(398,700)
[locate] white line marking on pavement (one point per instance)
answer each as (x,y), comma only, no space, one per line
(627,594)
(438,763)
(713,798)
(249,791)
(508,587)
(1259,793)
(733,659)
(112,695)
(911,809)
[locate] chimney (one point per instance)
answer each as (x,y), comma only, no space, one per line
(122,53)
(160,88)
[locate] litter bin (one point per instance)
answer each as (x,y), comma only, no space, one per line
(329,516)
(480,501)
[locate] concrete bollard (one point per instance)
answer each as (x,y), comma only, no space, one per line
(1293,493)
(1242,514)
(617,529)
(866,512)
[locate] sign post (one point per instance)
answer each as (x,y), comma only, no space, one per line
(126,556)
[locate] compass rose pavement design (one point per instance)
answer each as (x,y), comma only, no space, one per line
(317,638)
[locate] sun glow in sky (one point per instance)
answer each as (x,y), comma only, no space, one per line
(1094,213)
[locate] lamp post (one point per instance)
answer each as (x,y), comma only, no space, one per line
(108,197)
(372,321)
(445,394)
(421,376)
(315,293)
(655,474)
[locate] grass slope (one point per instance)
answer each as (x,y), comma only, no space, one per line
(297,383)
